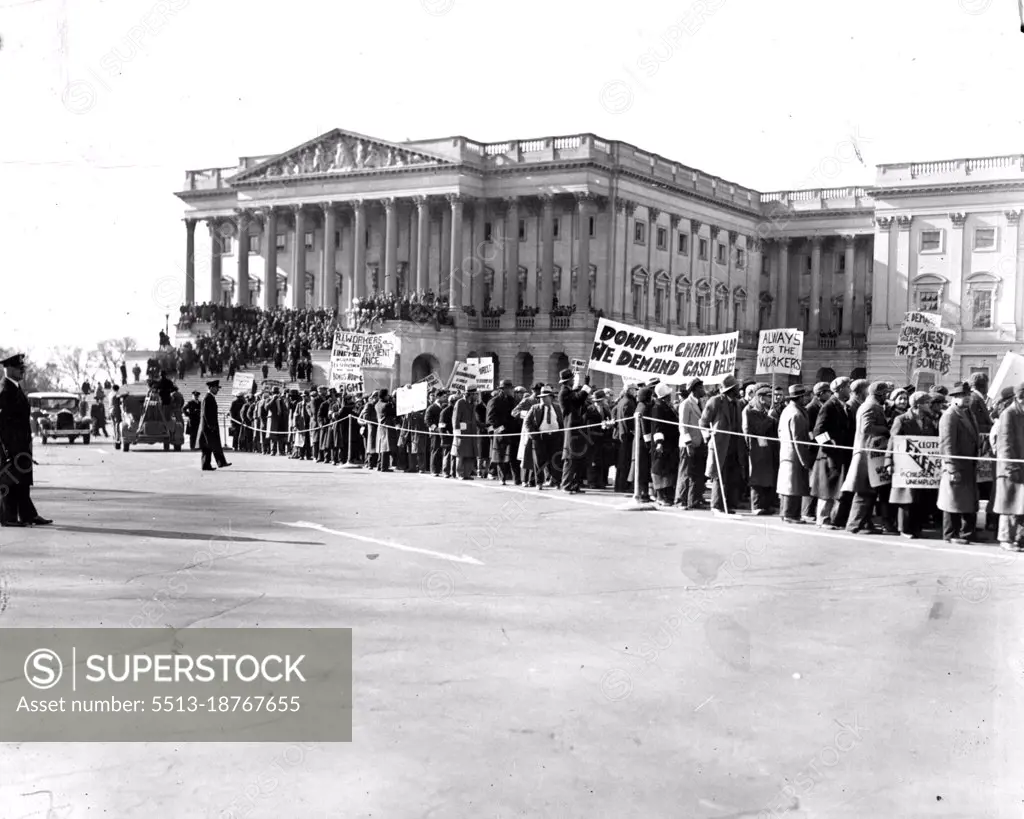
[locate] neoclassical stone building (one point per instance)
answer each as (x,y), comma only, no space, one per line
(510,226)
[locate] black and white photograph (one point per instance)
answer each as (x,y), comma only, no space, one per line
(617,409)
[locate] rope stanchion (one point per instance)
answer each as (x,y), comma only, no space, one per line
(718,468)
(636,504)
(348,461)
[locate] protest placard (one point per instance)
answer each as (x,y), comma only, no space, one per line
(780,352)
(242,384)
(433,381)
(374,350)
(484,372)
(628,351)
(924,343)
(577,365)
(463,377)
(345,372)
(914,465)
(270,384)
(411,398)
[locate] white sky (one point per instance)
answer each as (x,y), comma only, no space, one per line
(760,93)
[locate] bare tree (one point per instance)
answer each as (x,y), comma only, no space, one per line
(74,365)
(109,355)
(37,378)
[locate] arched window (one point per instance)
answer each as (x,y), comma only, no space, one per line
(556,285)
(704,306)
(764,310)
(929,292)
(982,292)
(310,288)
(521,288)
(488,287)
(739,306)
(721,306)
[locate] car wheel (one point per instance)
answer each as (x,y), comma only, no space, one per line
(85,439)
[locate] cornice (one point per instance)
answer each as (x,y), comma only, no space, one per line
(944,190)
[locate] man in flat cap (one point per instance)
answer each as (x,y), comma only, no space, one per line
(833,430)
(209,430)
(869,483)
(16,507)
(721,419)
(693,450)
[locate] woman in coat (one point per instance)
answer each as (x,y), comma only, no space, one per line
(525,452)
(664,445)
(759,429)
(834,425)
(1009,499)
(368,426)
(387,436)
(912,503)
(958,486)
(796,455)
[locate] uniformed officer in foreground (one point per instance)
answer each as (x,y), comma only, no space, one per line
(209,430)
(16,507)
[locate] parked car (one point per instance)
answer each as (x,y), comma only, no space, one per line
(153,428)
(56,415)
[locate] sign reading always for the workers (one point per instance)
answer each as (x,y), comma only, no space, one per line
(411,398)
(628,351)
(463,377)
(914,462)
(242,385)
(484,369)
(780,352)
(923,341)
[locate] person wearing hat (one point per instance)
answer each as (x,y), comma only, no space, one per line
(387,431)
(368,427)
(723,425)
(432,419)
(16,474)
(499,424)
(235,414)
(209,430)
(524,453)
(759,429)
(833,430)
(603,449)
(572,401)
(1008,446)
(450,467)
(748,389)
(796,455)
(984,419)
(464,422)
(858,395)
(191,411)
(867,479)
(278,420)
(664,446)
(623,436)
(693,449)
(959,443)
(544,423)
(911,504)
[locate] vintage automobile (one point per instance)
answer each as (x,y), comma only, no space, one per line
(55,415)
(153,428)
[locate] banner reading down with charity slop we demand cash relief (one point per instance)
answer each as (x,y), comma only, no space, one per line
(635,353)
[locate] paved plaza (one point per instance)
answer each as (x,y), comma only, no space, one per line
(525,654)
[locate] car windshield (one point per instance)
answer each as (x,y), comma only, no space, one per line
(57,404)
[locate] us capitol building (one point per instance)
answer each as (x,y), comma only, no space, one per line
(505,229)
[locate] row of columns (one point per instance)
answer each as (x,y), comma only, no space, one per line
(786,314)
(453,264)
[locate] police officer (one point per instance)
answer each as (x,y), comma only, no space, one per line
(16,507)
(209,431)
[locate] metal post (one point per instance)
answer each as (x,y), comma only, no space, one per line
(348,464)
(634,504)
(718,468)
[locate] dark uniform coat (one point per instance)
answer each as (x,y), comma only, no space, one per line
(872,432)
(464,422)
(209,429)
(763,468)
(833,460)
(15,435)
(664,444)
(721,414)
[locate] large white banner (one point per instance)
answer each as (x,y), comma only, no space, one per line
(632,352)
(411,398)
(914,465)
(780,352)
(923,341)
(374,350)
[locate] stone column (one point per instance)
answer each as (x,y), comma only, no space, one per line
(422,243)
(446,253)
(784,312)
(547,272)
(358,249)
(880,280)
(814,325)
(215,260)
(510,302)
(694,271)
(270,269)
(412,268)
(730,284)
(329,287)
(476,275)
(850,294)
(1015,239)
(670,297)
(899,281)
(455,253)
(297,280)
(242,278)
(190,261)
(390,245)
(653,214)
(582,295)
(755,248)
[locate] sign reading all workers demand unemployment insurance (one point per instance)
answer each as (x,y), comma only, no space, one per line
(780,352)
(632,352)
(925,343)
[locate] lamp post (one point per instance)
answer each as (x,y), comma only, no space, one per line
(167,323)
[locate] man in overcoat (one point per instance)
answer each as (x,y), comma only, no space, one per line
(833,430)
(759,429)
(693,450)
(722,419)
(872,434)
(432,418)
(544,424)
(623,434)
(911,503)
(572,401)
(796,455)
(958,485)
(209,430)
(1009,489)
(464,426)
(499,424)
(16,507)
(664,446)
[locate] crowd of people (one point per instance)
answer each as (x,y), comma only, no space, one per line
(822,456)
(422,307)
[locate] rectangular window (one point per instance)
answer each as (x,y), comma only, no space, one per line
(662,239)
(681,309)
(337,238)
(639,232)
(741,258)
(931,241)
(522,230)
(807,267)
(842,263)
(254,245)
(225,245)
(556,226)
(591,226)
(766,269)
(703,248)
(735,317)
(659,298)
(981,304)
(720,255)
(487,231)
(638,301)
(985,239)
(682,244)
(282,241)
(928,301)
(309,240)
(838,320)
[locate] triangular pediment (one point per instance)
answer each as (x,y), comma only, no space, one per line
(338,152)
